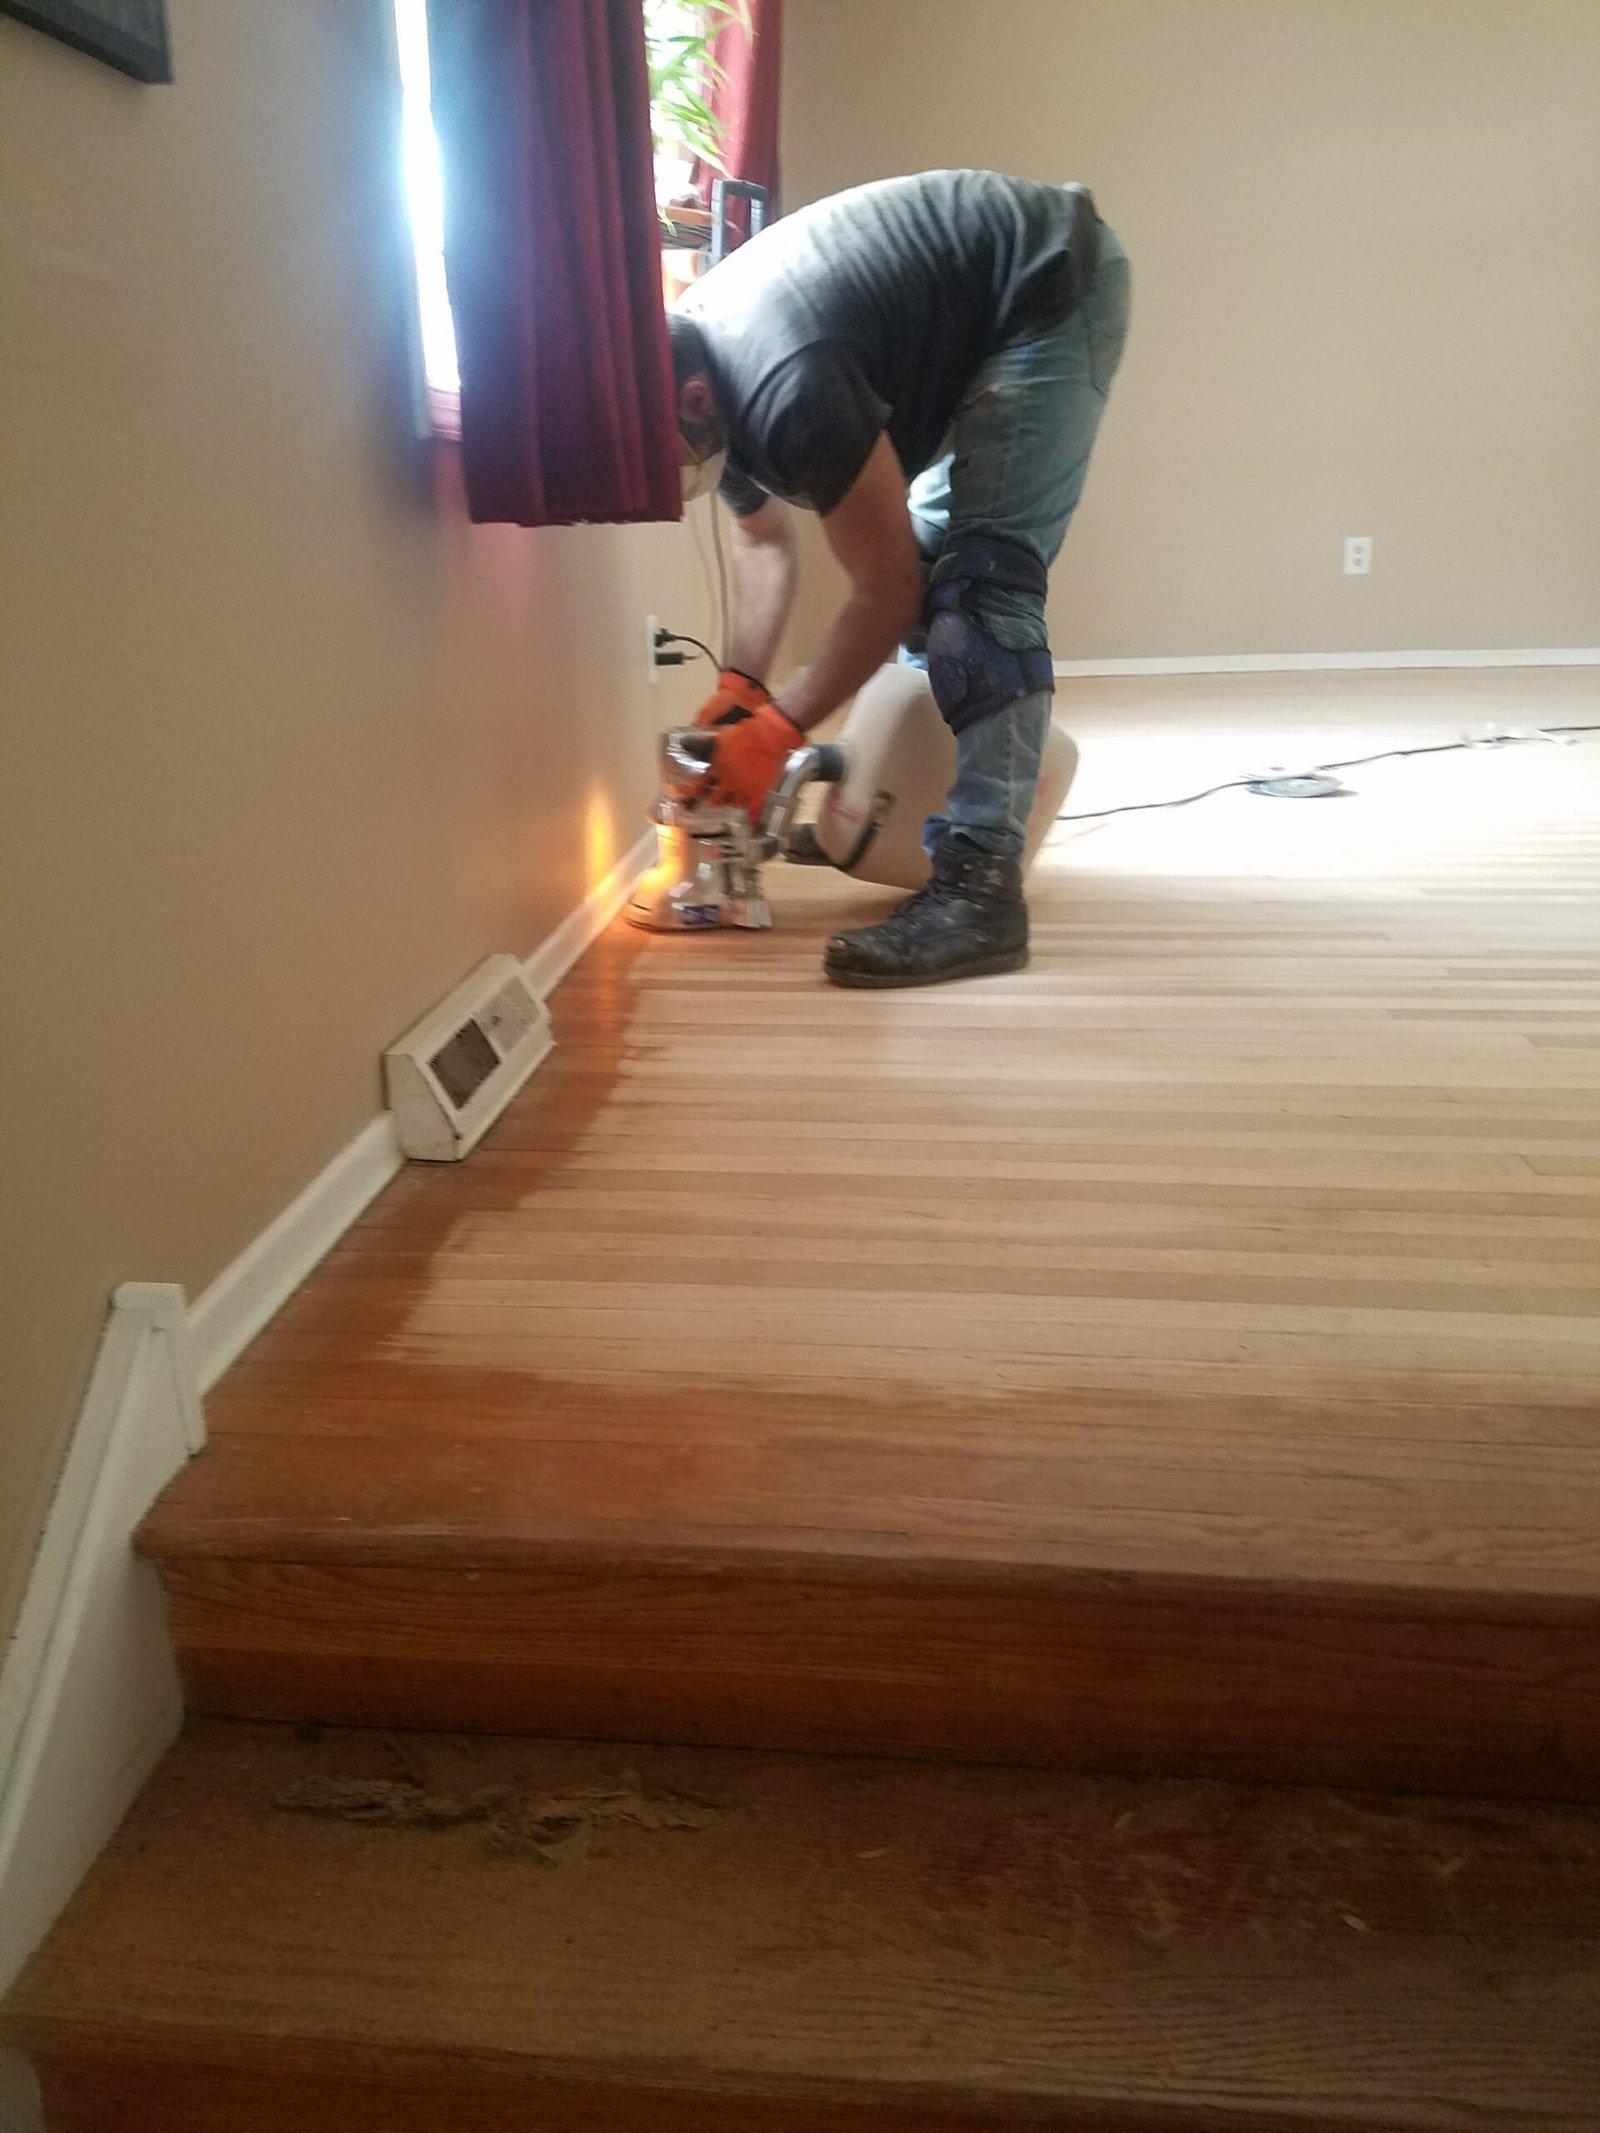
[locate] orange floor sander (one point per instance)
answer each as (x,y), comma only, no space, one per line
(887,772)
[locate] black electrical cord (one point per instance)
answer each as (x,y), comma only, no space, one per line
(1355,762)
(1140,807)
(678,637)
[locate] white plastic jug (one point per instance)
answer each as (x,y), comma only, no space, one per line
(900,758)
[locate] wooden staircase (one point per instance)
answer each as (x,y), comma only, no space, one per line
(1179,1361)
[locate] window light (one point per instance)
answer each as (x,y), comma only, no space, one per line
(425,204)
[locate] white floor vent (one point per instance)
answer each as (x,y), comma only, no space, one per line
(451,1077)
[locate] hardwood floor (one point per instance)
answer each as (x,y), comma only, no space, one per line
(486,1936)
(1213,1305)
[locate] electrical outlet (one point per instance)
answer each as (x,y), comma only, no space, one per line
(1358,555)
(651,624)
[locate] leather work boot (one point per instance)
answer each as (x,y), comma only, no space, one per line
(968,922)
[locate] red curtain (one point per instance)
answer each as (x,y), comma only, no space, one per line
(746,103)
(553,258)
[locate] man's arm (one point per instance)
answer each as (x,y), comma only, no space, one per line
(870,532)
(765,572)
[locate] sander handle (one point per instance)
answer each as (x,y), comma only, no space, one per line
(818,763)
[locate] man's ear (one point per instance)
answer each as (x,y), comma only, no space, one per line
(696,404)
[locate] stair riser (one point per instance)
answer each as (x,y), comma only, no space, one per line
(1069,1677)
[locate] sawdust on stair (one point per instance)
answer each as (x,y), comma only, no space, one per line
(556,1828)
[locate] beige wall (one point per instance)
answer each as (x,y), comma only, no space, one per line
(1366,248)
(287,745)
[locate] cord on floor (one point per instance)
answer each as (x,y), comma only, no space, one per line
(1356,762)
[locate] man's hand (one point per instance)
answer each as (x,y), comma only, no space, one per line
(734,692)
(751,750)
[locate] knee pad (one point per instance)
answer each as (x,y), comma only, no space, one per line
(972,676)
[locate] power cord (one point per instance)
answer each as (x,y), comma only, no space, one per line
(703,557)
(1264,780)
(724,622)
(718,596)
(665,658)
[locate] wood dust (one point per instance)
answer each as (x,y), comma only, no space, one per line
(555,1828)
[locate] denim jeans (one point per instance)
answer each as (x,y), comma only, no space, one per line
(1018,453)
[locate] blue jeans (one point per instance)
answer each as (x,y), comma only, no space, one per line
(1018,454)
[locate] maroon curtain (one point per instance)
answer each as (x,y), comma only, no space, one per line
(553,258)
(746,102)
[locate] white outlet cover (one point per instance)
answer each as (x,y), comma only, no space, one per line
(1358,555)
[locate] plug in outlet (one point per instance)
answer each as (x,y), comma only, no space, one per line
(1358,555)
(652,623)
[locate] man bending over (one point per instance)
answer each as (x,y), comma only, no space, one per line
(957,331)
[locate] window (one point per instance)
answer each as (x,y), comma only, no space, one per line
(679,35)
(441,376)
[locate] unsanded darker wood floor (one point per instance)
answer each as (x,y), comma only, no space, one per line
(1253,1231)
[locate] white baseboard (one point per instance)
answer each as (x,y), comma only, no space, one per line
(554,957)
(1328,662)
(89,1696)
(226,1317)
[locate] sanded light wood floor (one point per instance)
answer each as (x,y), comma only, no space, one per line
(1250,1237)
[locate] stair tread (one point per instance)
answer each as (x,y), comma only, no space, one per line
(997,1946)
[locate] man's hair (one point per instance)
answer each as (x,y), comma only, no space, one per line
(688,349)
(689,361)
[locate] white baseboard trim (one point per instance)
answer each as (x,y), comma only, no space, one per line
(555,956)
(89,1695)
(1327,662)
(226,1317)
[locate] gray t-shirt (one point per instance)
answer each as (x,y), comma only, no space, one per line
(873,311)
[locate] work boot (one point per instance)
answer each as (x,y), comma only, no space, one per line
(968,922)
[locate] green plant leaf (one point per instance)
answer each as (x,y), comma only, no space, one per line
(683,71)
